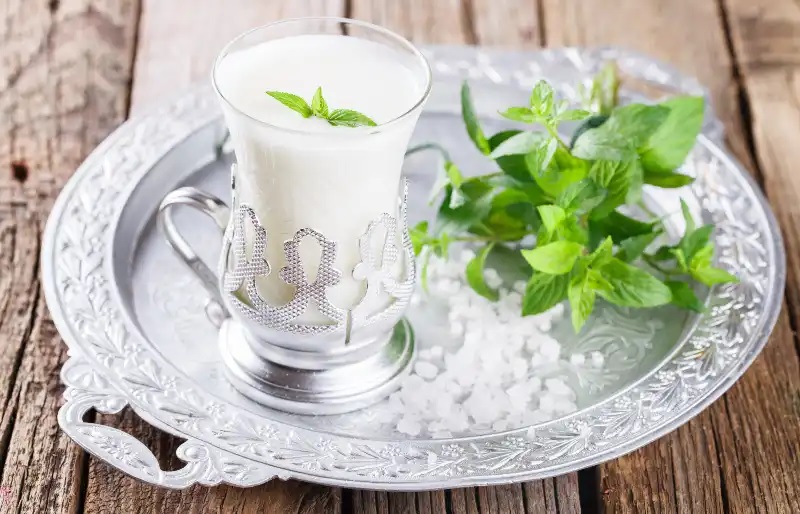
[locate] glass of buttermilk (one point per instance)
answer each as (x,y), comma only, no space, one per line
(300,172)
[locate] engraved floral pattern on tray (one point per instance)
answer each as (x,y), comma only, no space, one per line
(112,366)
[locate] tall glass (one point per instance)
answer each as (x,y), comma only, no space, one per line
(334,182)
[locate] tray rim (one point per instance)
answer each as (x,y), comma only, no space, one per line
(79,358)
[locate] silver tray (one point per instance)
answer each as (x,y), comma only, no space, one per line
(133,317)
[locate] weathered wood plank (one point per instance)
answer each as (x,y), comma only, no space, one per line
(59,96)
(421,21)
(178,41)
(507,23)
(765,38)
(738,455)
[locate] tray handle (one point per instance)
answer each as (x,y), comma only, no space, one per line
(205,464)
(212,207)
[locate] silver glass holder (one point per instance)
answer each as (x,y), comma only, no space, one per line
(355,359)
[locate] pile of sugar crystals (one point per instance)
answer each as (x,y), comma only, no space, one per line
(506,372)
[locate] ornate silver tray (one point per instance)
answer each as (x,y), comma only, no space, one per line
(133,317)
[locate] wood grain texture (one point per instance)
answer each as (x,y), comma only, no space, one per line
(761,464)
(506,23)
(421,21)
(740,455)
(179,39)
(178,42)
(59,96)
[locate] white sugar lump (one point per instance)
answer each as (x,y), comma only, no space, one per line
(577,359)
(535,384)
(549,348)
(456,328)
(490,378)
(547,403)
(409,426)
(557,386)
(519,368)
(426,369)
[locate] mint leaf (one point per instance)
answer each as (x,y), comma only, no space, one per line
(687,217)
(667,180)
(554,258)
(683,263)
(701,269)
(560,171)
(512,165)
(667,148)
(619,227)
(475,276)
(589,123)
(472,208)
(633,287)
(694,241)
(522,114)
(350,118)
(711,276)
(539,159)
(542,99)
(572,229)
(602,254)
(582,196)
(543,292)
(684,297)
(319,105)
(616,177)
(419,236)
(595,144)
(632,248)
(293,102)
(573,115)
(455,178)
(471,120)
(581,300)
(511,216)
(552,216)
(520,143)
(602,97)
(626,129)
(636,122)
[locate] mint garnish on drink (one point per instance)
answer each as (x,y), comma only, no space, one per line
(319,108)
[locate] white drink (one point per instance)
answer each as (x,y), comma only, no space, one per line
(297,172)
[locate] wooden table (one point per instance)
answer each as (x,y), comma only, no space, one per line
(72,70)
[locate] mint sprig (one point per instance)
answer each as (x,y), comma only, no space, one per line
(319,108)
(557,205)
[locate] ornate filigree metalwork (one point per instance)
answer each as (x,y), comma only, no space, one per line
(378,269)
